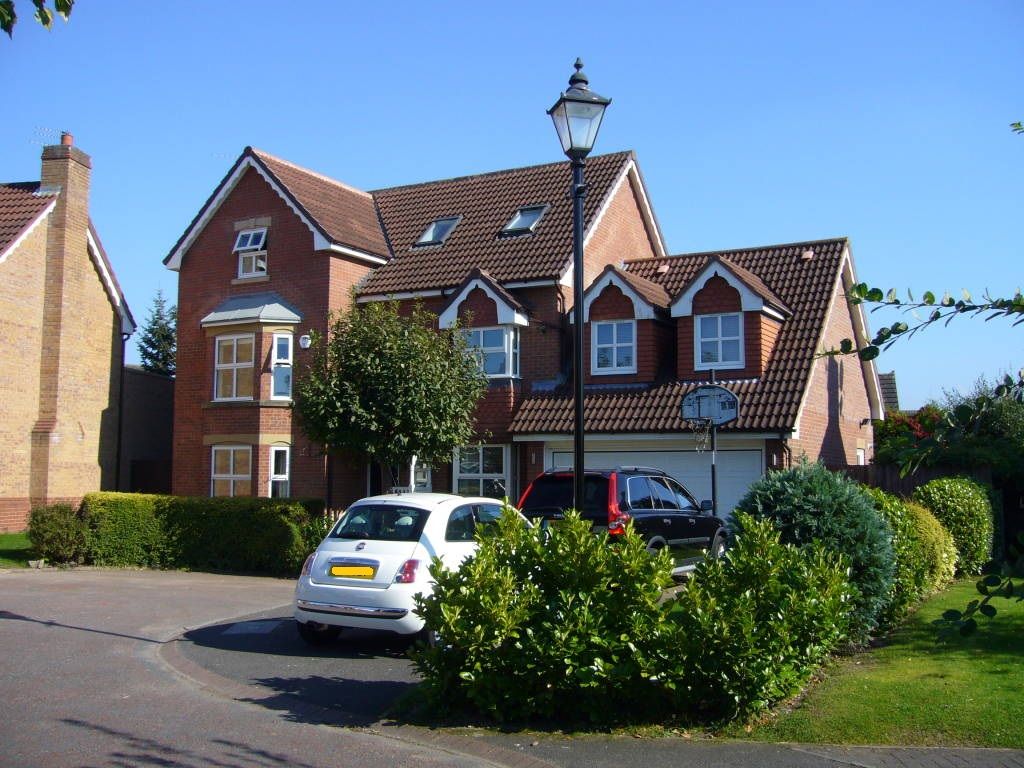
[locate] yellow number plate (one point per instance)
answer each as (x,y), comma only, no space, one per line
(353,571)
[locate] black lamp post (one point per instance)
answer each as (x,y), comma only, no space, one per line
(577,116)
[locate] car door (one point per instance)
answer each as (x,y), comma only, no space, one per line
(459,541)
(643,508)
(670,521)
(700,527)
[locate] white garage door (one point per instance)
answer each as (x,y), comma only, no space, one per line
(735,469)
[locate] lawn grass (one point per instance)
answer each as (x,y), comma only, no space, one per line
(15,550)
(914,691)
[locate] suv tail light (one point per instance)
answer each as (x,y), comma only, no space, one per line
(617,519)
(407,573)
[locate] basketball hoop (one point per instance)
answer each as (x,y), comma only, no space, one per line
(701,429)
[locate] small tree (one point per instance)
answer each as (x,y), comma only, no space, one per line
(390,387)
(158,344)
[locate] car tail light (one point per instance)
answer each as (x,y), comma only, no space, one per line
(407,573)
(308,565)
(617,519)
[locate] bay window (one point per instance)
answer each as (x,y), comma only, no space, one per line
(496,349)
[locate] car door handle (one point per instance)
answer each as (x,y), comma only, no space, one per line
(692,521)
(667,520)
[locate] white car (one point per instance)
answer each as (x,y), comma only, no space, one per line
(367,570)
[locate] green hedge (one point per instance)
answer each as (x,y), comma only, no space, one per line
(964,509)
(251,535)
(57,533)
(754,625)
(808,503)
(123,529)
(937,547)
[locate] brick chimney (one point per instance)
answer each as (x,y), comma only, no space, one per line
(65,173)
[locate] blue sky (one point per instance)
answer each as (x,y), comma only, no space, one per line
(754,123)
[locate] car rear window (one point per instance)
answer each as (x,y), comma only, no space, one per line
(552,494)
(381,522)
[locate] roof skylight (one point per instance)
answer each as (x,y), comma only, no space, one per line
(438,231)
(525,220)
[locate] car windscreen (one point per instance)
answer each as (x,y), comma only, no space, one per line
(552,494)
(381,522)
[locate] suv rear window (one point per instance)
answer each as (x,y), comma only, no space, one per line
(552,494)
(381,522)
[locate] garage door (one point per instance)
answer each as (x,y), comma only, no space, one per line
(736,469)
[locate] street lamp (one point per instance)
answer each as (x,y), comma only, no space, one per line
(577,117)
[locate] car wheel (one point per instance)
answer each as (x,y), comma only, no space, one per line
(317,634)
(718,548)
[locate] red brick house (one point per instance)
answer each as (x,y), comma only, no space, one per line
(63,324)
(276,247)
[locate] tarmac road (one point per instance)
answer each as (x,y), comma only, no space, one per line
(145,668)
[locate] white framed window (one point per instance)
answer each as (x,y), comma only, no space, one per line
(231,470)
(280,471)
(250,245)
(234,372)
(718,341)
(481,470)
(281,367)
(613,347)
(496,349)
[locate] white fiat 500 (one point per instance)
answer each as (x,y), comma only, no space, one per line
(367,570)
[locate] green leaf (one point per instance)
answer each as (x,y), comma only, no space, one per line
(869,352)
(875,294)
(988,610)
(7,17)
(846,346)
(929,297)
(968,628)
(992,580)
(952,615)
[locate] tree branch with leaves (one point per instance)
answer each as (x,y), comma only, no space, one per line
(43,14)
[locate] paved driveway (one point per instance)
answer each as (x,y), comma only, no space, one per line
(138,668)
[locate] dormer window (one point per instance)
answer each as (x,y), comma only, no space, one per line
(719,342)
(250,245)
(524,221)
(613,347)
(438,231)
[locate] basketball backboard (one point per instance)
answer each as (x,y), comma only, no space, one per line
(711,401)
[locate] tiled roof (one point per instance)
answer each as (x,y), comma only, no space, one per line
(654,294)
(20,205)
(890,396)
(755,283)
(346,215)
(486,202)
(483,276)
(766,404)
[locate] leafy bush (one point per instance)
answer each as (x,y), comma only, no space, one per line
(963,507)
(808,503)
(57,533)
(754,625)
(122,529)
(937,547)
(548,624)
(233,534)
(910,578)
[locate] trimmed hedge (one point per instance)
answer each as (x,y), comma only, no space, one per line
(251,535)
(57,533)
(937,547)
(808,503)
(964,509)
(122,529)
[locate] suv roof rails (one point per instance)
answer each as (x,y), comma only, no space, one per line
(638,468)
(619,468)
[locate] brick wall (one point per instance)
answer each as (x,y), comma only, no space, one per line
(621,234)
(836,418)
(314,283)
(654,340)
(478,310)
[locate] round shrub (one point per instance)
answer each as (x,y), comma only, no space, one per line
(57,533)
(910,578)
(963,507)
(755,624)
(937,547)
(122,529)
(808,503)
(552,624)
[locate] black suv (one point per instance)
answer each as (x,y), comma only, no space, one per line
(663,512)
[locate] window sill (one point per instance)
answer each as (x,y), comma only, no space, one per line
(248,404)
(614,372)
(719,367)
(252,279)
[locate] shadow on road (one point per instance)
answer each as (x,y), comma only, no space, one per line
(337,701)
(131,751)
(8,616)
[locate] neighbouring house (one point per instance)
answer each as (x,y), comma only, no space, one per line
(63,325)
(890,395)
(277,247)
(148,419)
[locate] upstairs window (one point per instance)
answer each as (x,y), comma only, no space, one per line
(233,379)
(438,231)
(524,221)
(496,350)
(719,342)
(281,365)
(613,347)
(250,245)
